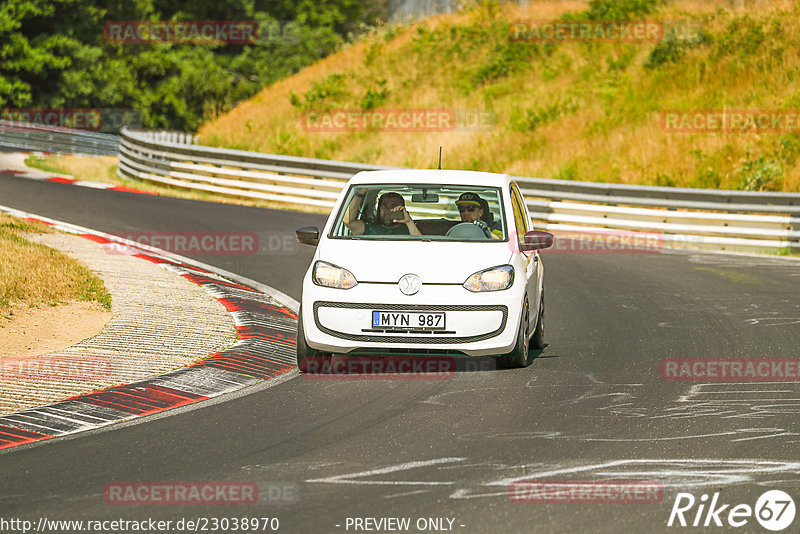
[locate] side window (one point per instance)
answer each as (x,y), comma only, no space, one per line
(519,215)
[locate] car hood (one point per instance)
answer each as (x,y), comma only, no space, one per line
(435,262)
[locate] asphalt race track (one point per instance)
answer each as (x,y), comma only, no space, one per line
(591,407)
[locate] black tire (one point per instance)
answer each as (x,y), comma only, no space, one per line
(308,359)
(520,354)
(537,340)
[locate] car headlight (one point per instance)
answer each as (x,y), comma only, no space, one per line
(328,275)
(494,279)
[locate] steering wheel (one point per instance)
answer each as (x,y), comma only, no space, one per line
(483,226)
(469,230)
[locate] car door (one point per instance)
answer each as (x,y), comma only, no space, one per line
(530,258)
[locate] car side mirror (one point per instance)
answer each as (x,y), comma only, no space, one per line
(537,240)
(307,235)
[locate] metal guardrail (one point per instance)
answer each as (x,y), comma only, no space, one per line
(746,221)
(29,136)
(238,173)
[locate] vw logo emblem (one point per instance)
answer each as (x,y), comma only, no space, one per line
(410,284)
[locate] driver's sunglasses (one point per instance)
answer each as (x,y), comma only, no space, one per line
(462,209)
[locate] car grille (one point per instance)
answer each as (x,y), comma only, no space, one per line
(404,352)
(410,307)
(406,331)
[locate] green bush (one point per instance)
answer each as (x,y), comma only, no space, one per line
(760,174)
(325,94)
(678,38)
(620,9)
(664,180)
(790,147)
(374,98)
(743,36)
(533,118)
(506,58)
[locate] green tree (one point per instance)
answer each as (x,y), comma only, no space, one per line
(53,54)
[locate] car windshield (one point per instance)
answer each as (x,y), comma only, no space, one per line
(421,212)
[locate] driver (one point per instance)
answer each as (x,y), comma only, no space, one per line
(474,209)
(393,219)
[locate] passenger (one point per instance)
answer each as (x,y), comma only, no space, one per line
(393,219)
(473,208)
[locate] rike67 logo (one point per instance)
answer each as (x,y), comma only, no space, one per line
(774,510)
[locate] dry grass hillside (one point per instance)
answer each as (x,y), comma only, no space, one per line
(568,109)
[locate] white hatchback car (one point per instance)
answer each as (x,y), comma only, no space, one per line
(424,262)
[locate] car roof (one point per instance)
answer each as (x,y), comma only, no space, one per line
(431,176)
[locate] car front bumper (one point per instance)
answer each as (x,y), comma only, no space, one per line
(476,324)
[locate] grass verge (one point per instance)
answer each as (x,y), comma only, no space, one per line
(35,275)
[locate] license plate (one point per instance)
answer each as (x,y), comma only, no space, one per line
(415,320)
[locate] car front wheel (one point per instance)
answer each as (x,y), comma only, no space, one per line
(537,340)
(518,357)
(308,360)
